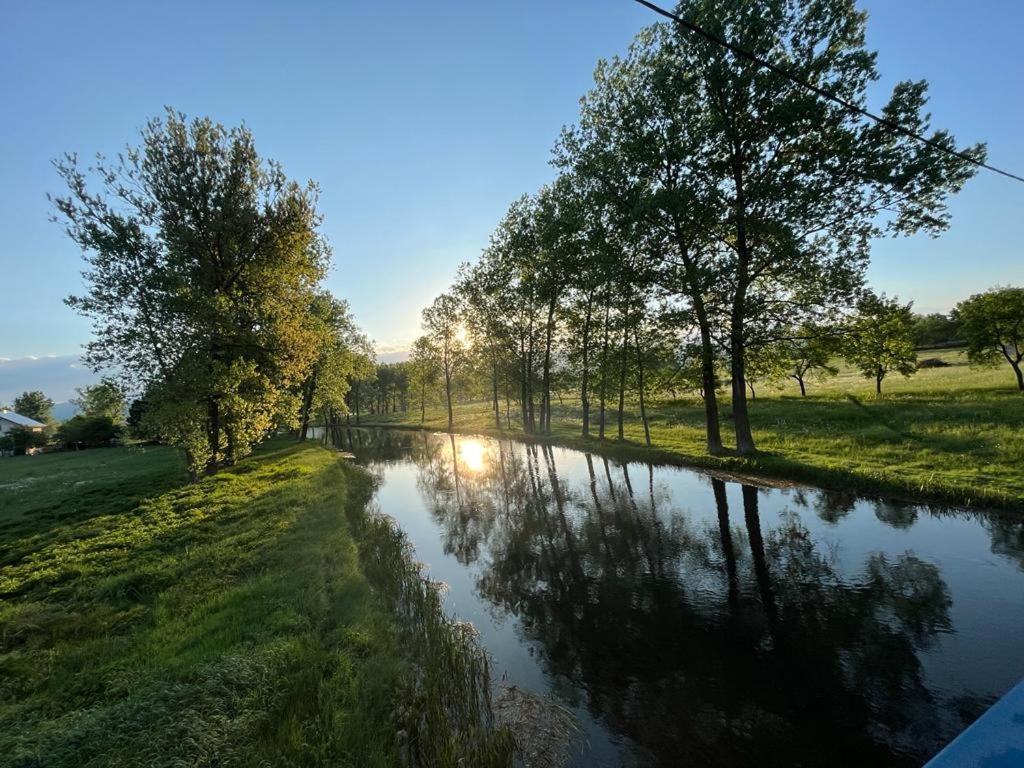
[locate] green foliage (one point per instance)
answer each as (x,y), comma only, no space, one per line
(445,341)
(83,431)
(993,325)
(103,399)
(729,176)
(34,405)
(19,440)
(809,351)
(136,413)
(344,355)
(880,340)
(199,293)
(936,330)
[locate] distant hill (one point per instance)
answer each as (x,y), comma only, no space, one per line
(64,411)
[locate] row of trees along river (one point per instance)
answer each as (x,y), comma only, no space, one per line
(710,224)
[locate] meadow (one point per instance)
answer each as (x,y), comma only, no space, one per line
(258,617)
(951,434)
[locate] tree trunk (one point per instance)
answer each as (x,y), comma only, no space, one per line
(448,395)
(640,383)
(800,381)
(190,462)
(602,396)
(307,405)
(529,378)
(740,414)
(878,382)
(585,373)
(213,435)
(545,408)
(622,379)
(707,349)
(494,383)
(522,383)
(737,342)
(1020,376)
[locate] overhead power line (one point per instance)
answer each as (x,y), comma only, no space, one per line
(744,54)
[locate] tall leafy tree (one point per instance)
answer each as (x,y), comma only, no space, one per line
(105,399)
(802,183)
(442,326)
(993,325)
(202,258)
(639,140)
(34,405)
(342,350)
(424,374)
(881,339)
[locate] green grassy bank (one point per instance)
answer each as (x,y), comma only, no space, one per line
(259,617)
(953,434)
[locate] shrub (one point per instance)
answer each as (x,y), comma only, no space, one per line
(18,441)
(88,431)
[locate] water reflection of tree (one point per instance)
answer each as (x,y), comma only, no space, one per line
(727,645)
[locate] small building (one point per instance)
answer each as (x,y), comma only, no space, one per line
(9,420)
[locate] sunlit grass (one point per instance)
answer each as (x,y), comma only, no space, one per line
(146,621)
(954,434)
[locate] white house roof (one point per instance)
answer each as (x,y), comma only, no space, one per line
(21,421)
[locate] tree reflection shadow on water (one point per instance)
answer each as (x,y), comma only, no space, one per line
(702,640)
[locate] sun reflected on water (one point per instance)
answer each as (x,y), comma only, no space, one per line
(472,455)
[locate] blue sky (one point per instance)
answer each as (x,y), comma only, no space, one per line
(422,121)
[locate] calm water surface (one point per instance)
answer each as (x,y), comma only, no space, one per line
(690,621)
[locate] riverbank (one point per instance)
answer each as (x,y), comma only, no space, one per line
(260,617)
(951,435)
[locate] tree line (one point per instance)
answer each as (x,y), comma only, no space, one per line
(204,269)
(709,225)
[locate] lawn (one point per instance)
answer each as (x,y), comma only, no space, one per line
(148,621)
(952,434)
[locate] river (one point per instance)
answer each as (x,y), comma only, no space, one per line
(689,621)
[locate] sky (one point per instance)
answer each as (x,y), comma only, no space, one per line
(422,122)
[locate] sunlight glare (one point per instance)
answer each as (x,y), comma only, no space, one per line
(471,452)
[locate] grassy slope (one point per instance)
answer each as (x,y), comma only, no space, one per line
(951,434)
(144,621)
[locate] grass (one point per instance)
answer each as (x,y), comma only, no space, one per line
(952,435)
(244,620)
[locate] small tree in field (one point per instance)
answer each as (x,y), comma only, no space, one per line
(993,325)
(810,353)
(881,339)
(103,399)
(442,326)
(423,374)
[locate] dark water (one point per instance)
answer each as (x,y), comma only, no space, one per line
(694,622)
